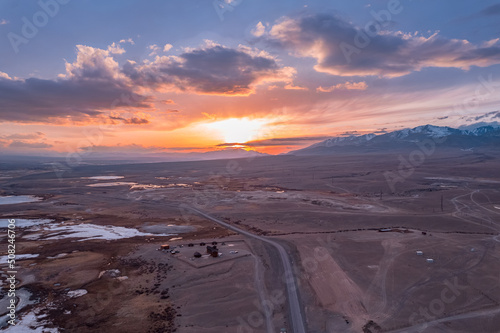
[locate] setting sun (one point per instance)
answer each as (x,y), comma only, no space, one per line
(238,130)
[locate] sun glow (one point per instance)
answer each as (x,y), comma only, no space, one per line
(238,130)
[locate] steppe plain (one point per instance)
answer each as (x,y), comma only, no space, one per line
(92,260)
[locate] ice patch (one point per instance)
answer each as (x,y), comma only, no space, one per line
(111,184)
(87,231)
(23,223)
(77,293)
(30,323)
(104,177)
(17,199)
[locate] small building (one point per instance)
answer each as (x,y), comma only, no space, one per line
(197,255)
(213,251)
(420,253)
(430,261)
(165,247)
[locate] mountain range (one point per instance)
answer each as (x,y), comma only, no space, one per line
(465,137)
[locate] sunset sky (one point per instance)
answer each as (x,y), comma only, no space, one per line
(272,76)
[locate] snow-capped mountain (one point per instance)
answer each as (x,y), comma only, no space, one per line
(345,141)
(464,138)
(426,130)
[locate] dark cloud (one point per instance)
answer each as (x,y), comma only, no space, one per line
(491,10)
(30,136)
(131,121)
(37,100)
(214,69)
(492,114)
(94,84)
(22,145)
(341,48)
(293,141)
(381,131)
(485,117)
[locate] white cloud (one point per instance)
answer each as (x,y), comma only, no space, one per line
(129,40)
(259,30)
(93,63)
(154,49)
(5,76)
(115,49)
(167,47)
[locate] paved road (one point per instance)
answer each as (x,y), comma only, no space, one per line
(293,298)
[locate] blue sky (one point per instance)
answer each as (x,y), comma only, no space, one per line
(279,66)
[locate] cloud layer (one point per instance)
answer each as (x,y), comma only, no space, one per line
(344,49)
(95,85)
(212,69)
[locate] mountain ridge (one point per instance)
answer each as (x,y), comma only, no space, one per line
(467,137)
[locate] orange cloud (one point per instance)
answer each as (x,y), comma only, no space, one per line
(346,86)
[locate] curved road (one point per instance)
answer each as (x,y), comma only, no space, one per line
(293,298)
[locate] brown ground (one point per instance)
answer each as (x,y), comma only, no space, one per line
(326,210)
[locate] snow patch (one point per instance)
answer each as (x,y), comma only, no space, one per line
(24,223)
(104,177)
(77,293)
(17,199)
(87,231)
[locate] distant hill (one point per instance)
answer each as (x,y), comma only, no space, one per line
(465,138)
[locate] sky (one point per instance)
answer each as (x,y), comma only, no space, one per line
(273,76)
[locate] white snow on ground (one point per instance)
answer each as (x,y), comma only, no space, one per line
(87,231)
(111,184)
(15,199)
(23,223)
(30,323)
(77,293)
(3,259)
(104,177)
